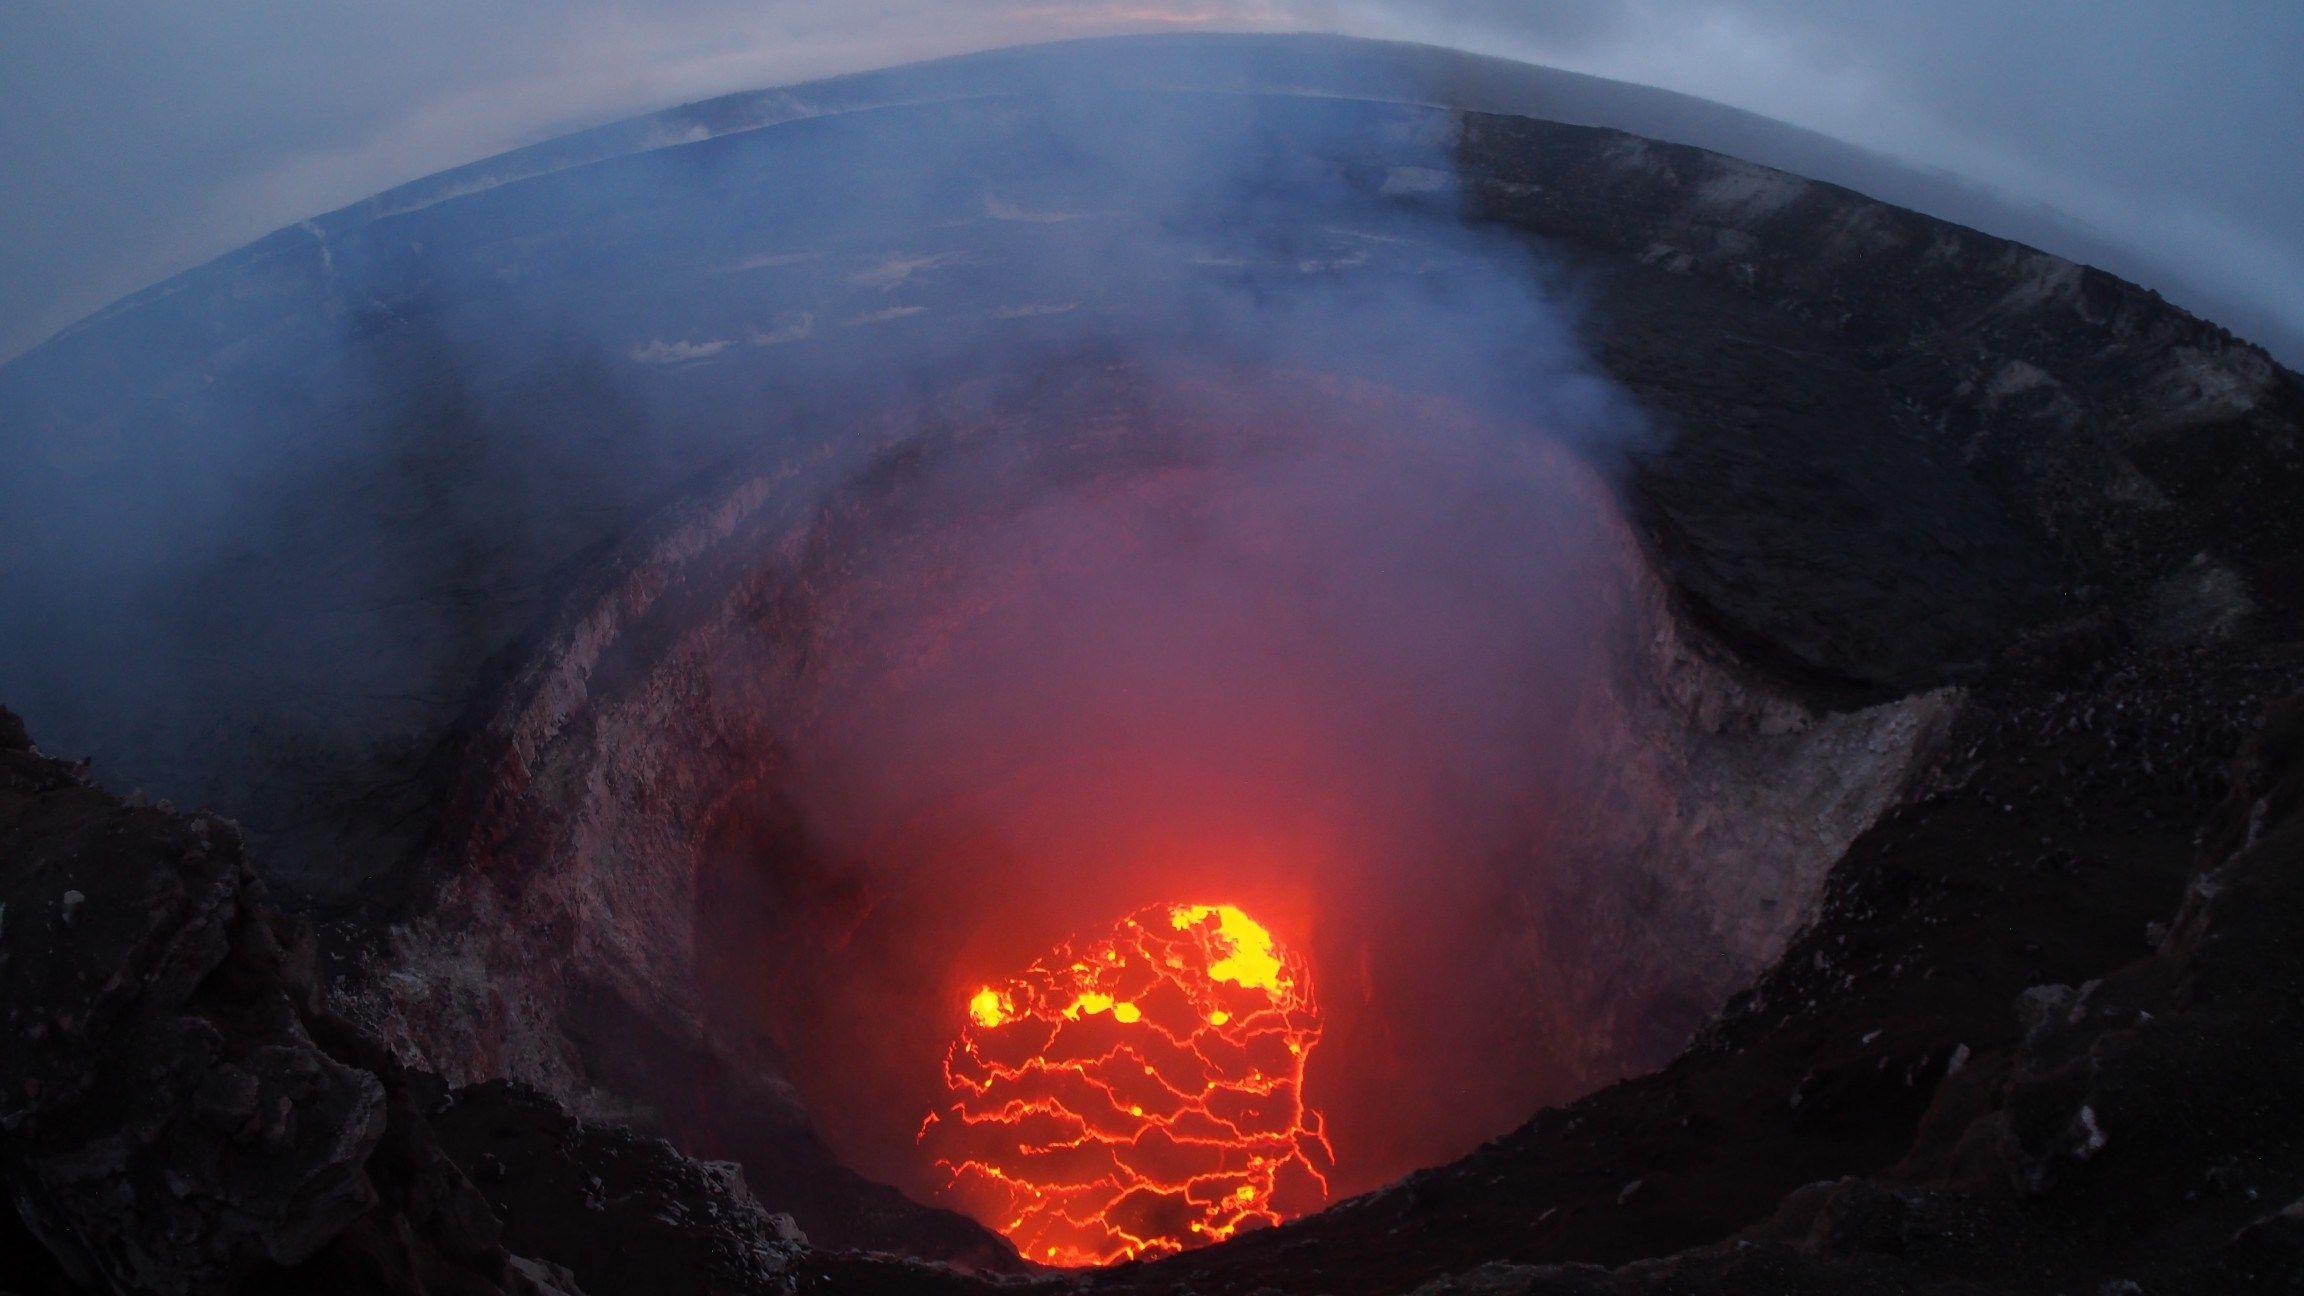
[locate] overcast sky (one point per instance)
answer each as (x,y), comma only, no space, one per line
(140,137)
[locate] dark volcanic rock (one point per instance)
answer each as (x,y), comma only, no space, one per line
(181,1116)
(2143,1135)
(176,1113)
(170,1121)
(627,1215)
(1901,442)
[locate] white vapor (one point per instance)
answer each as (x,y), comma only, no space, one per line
(141,136)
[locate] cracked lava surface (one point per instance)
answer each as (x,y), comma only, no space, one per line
(1137,1094)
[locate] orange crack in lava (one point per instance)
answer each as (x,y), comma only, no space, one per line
(1138,1095)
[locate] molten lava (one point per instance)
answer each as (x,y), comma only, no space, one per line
(1139,1094)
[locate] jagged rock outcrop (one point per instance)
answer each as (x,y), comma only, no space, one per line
(180,1116)
(627,1215)
(2142,1135)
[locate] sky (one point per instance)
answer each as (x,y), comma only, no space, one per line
(142,137)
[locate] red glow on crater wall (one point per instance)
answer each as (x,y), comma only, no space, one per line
(1137,1094)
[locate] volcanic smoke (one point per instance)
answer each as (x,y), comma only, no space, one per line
(1319,650)
(1139,1094)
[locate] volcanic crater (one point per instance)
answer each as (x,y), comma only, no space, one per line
(1610,631)
(791,812)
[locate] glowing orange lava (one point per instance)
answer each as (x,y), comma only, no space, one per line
(1137,1095)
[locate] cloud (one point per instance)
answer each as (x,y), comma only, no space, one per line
(143,136)
(2166,129)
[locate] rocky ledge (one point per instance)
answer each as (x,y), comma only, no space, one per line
(2044,1036)
(180,1114)
(2140,1133)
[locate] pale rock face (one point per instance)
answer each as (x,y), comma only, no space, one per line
(1741,191)
(1690,858)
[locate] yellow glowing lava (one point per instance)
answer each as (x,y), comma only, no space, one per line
(988,1009)
(1250,962)
(1138,1095)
